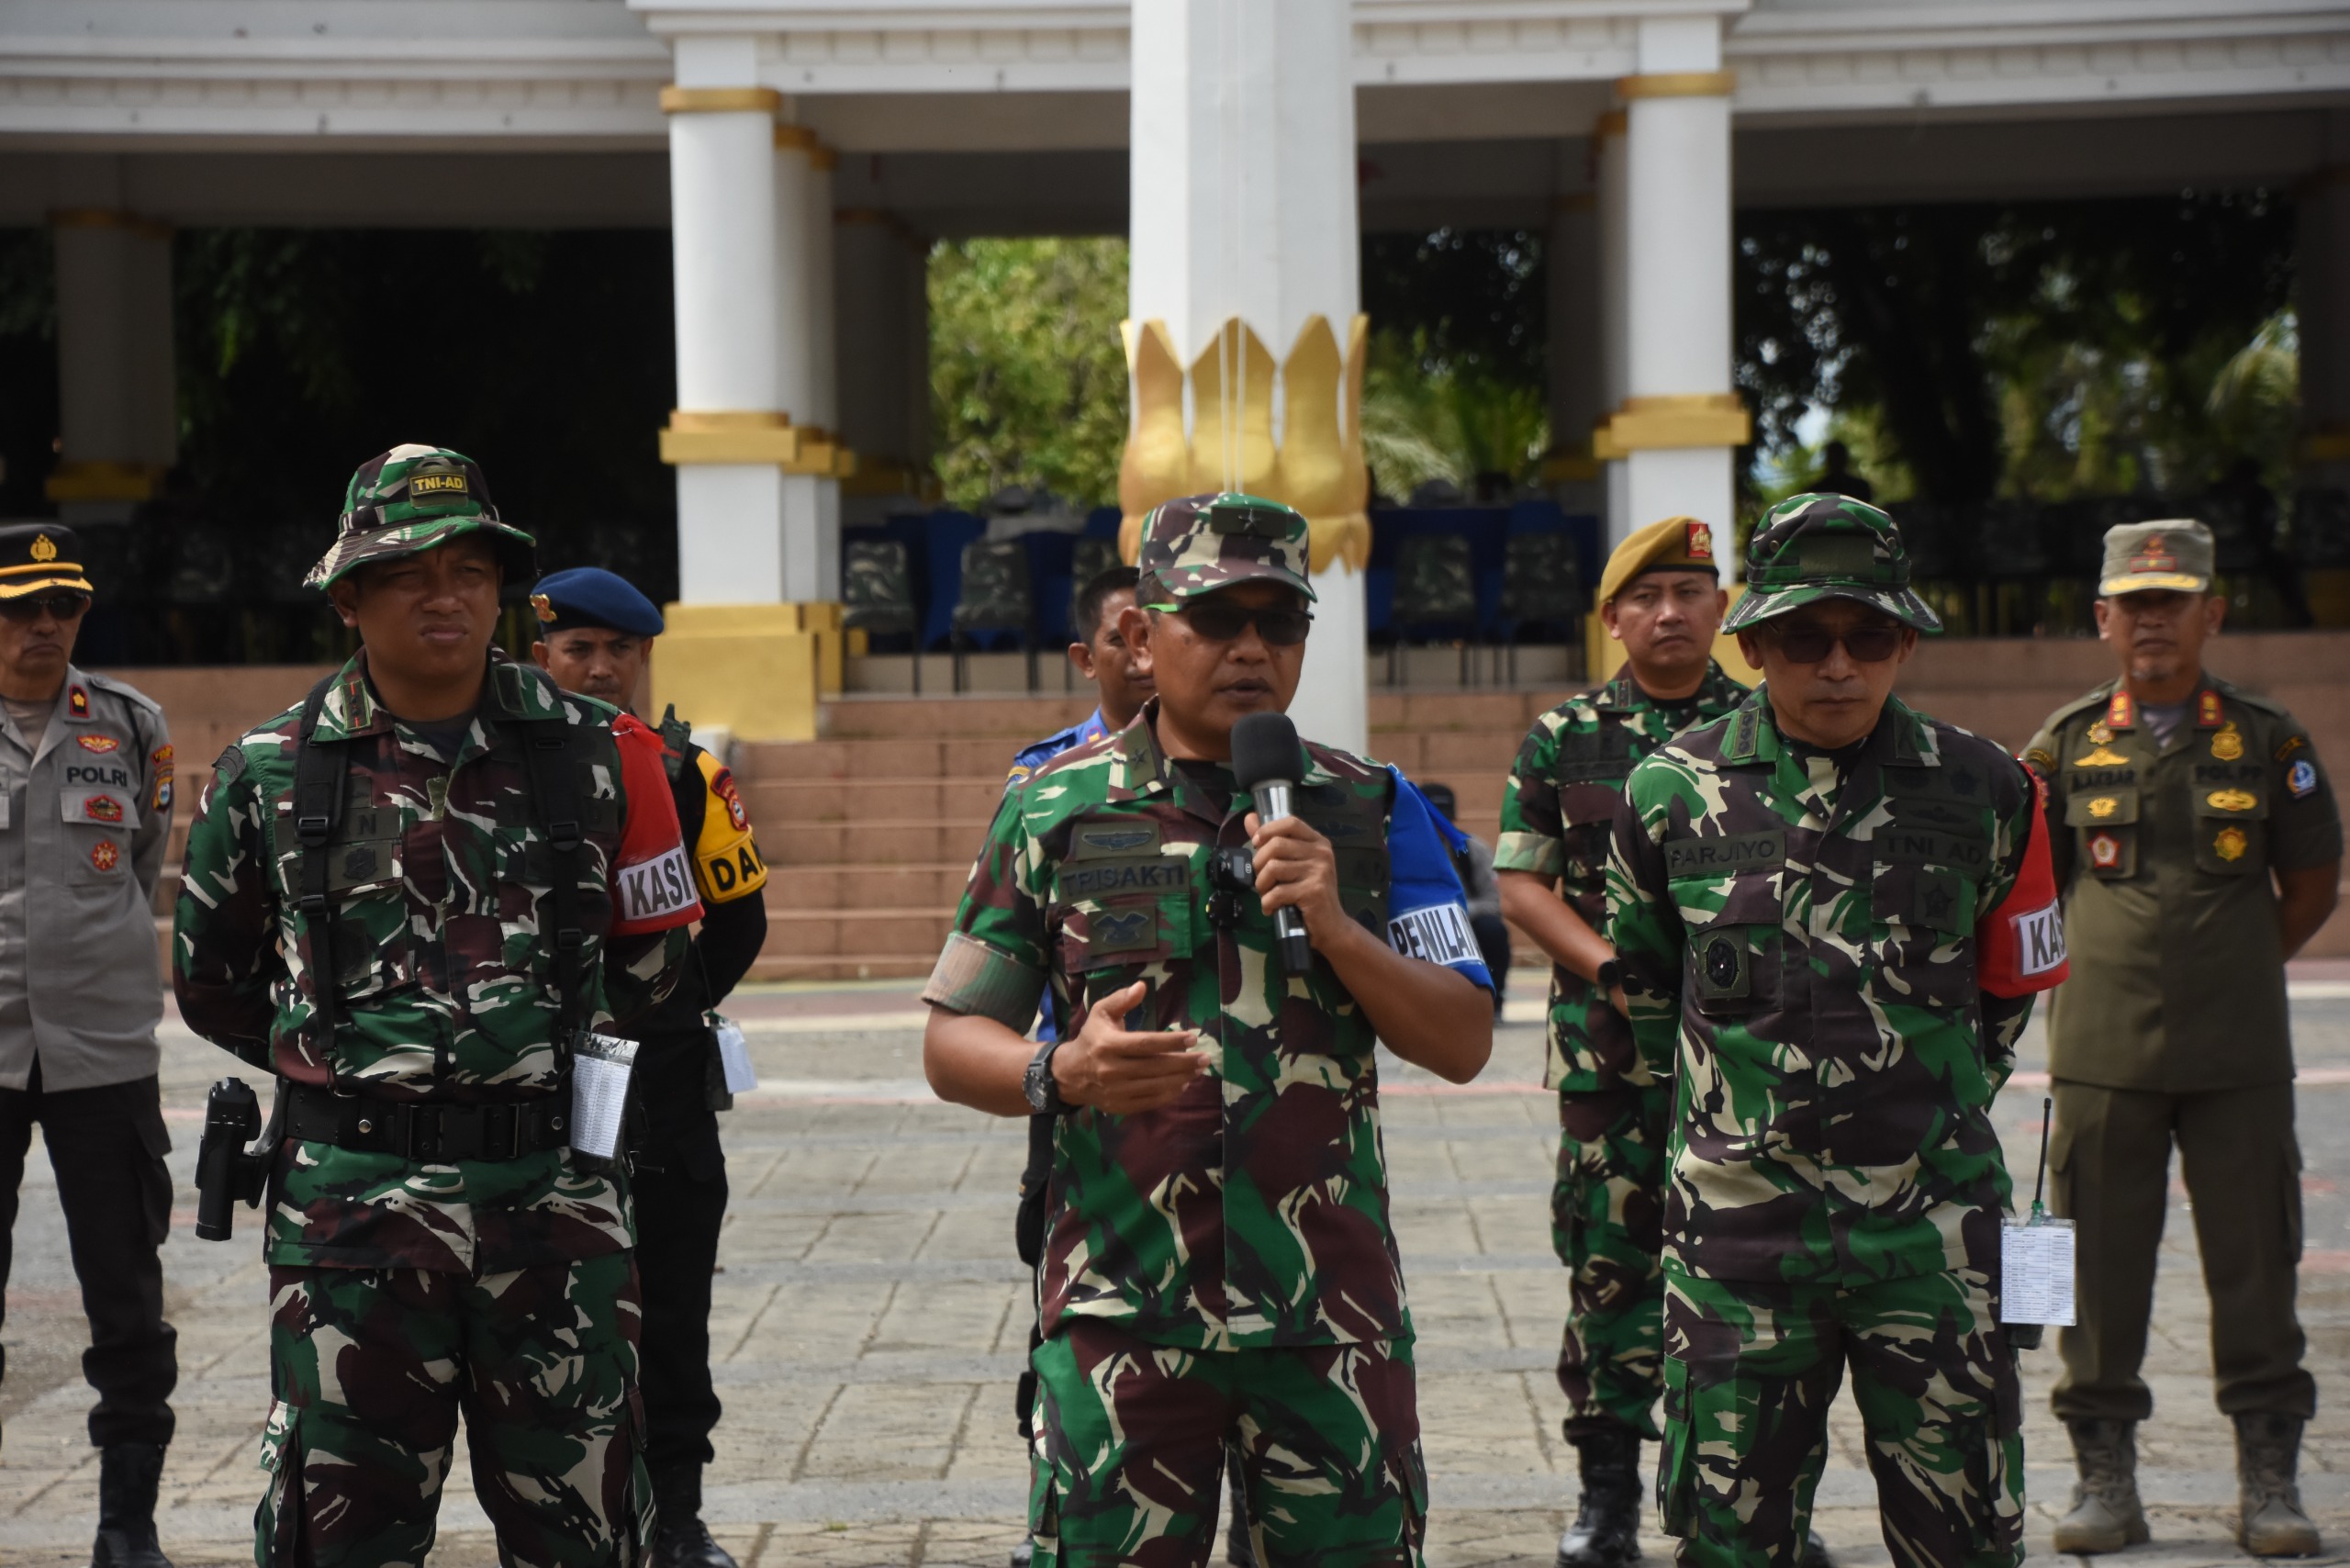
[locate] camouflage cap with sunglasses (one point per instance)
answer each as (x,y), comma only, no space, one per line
(40,557)
(414,498)
(1814,547)
(1197,544)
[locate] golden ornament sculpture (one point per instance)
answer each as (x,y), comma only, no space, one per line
(1317,468)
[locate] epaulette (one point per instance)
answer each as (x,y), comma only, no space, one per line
(2261,701)
(123,690)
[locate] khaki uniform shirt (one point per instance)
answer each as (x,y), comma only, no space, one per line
(2164,855)
(85,815)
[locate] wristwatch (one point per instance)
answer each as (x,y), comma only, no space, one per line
(1043,1089)
(1609,975)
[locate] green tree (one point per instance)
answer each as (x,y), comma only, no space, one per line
(1027,374)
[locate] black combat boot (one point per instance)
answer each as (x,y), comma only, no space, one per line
(679,1538)
(2272,1524)
(1815,1553)
(128,1474)
(1606,1531)
(1238,1550)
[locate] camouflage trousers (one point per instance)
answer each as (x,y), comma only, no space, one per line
(1608,1225)
(1129,1465)
(371,1367)
(1751,1369)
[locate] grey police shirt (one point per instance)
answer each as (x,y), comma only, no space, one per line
(86,819)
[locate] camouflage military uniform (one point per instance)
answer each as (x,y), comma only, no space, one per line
(503,1284)
(1811,952)
(1223,1266)
(1608,1200)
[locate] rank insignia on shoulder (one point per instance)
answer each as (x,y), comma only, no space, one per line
(2105,850)
(2207,712)
(2302,779)
(2100,733)
(2122,711)
(2102,757)
(230,766)
(77,703)
(2227,744)
(2231,843)
(100,744)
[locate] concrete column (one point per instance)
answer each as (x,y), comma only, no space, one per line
(738,653)
(1614,339)
(117,396)
(1679,419)
(1243,181)
(815,479)
(1578,324)
(729,431)
(884,359)
(2322,307)
(803,311)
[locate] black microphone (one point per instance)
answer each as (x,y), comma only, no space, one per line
(1266,762)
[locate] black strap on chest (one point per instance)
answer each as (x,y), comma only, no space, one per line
(321,776)
(677,736)
(321,782)
(555,791)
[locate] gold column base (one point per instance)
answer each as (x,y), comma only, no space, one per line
(102,481)
(754,669)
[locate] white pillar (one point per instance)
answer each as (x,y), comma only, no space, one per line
(1578,324)
(2321,309)
(1243,203)
(811,484)
(727,433)
(1679,420)
(119,413)
(1615,341)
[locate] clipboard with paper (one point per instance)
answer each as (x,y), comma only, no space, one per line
(2036,1257)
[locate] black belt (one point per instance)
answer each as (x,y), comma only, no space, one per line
(428,1130)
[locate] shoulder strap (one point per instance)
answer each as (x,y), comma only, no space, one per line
(555,791)
(321,774)
(676,742)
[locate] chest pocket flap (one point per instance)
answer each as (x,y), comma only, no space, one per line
(1726,890)
(2115,807)
(1595,756)
(107,808)
(1121,898)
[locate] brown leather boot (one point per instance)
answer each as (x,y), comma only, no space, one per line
(2105,1515)
(2271,1524)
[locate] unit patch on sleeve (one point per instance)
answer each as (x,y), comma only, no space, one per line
(2302,779)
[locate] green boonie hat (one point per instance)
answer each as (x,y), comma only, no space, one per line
(413,499)
(2174,554)
(1197,544)
(1819,546)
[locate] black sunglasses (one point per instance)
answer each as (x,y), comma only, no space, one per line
(60,606)
(1220,621)
(1809,646)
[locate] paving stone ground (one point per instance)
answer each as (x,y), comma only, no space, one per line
(870,1320)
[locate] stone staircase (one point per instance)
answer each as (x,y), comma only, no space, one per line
(869,833)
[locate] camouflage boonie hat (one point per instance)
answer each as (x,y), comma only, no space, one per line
(2174,553)
(1819,546)
(1197,544)
(411,500)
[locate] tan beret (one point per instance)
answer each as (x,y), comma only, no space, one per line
(1678,543)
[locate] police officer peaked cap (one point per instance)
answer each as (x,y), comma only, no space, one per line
(592,596)
(38,556)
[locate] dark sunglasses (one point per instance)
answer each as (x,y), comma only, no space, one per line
(1220,621)
(1809,646)
(60,606)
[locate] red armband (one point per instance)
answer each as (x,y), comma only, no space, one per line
(653,882)
(2019,947)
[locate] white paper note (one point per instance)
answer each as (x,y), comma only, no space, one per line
(734,1057)
(2036,1271)
(600,1066)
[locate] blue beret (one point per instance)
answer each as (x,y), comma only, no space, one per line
(591,596)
